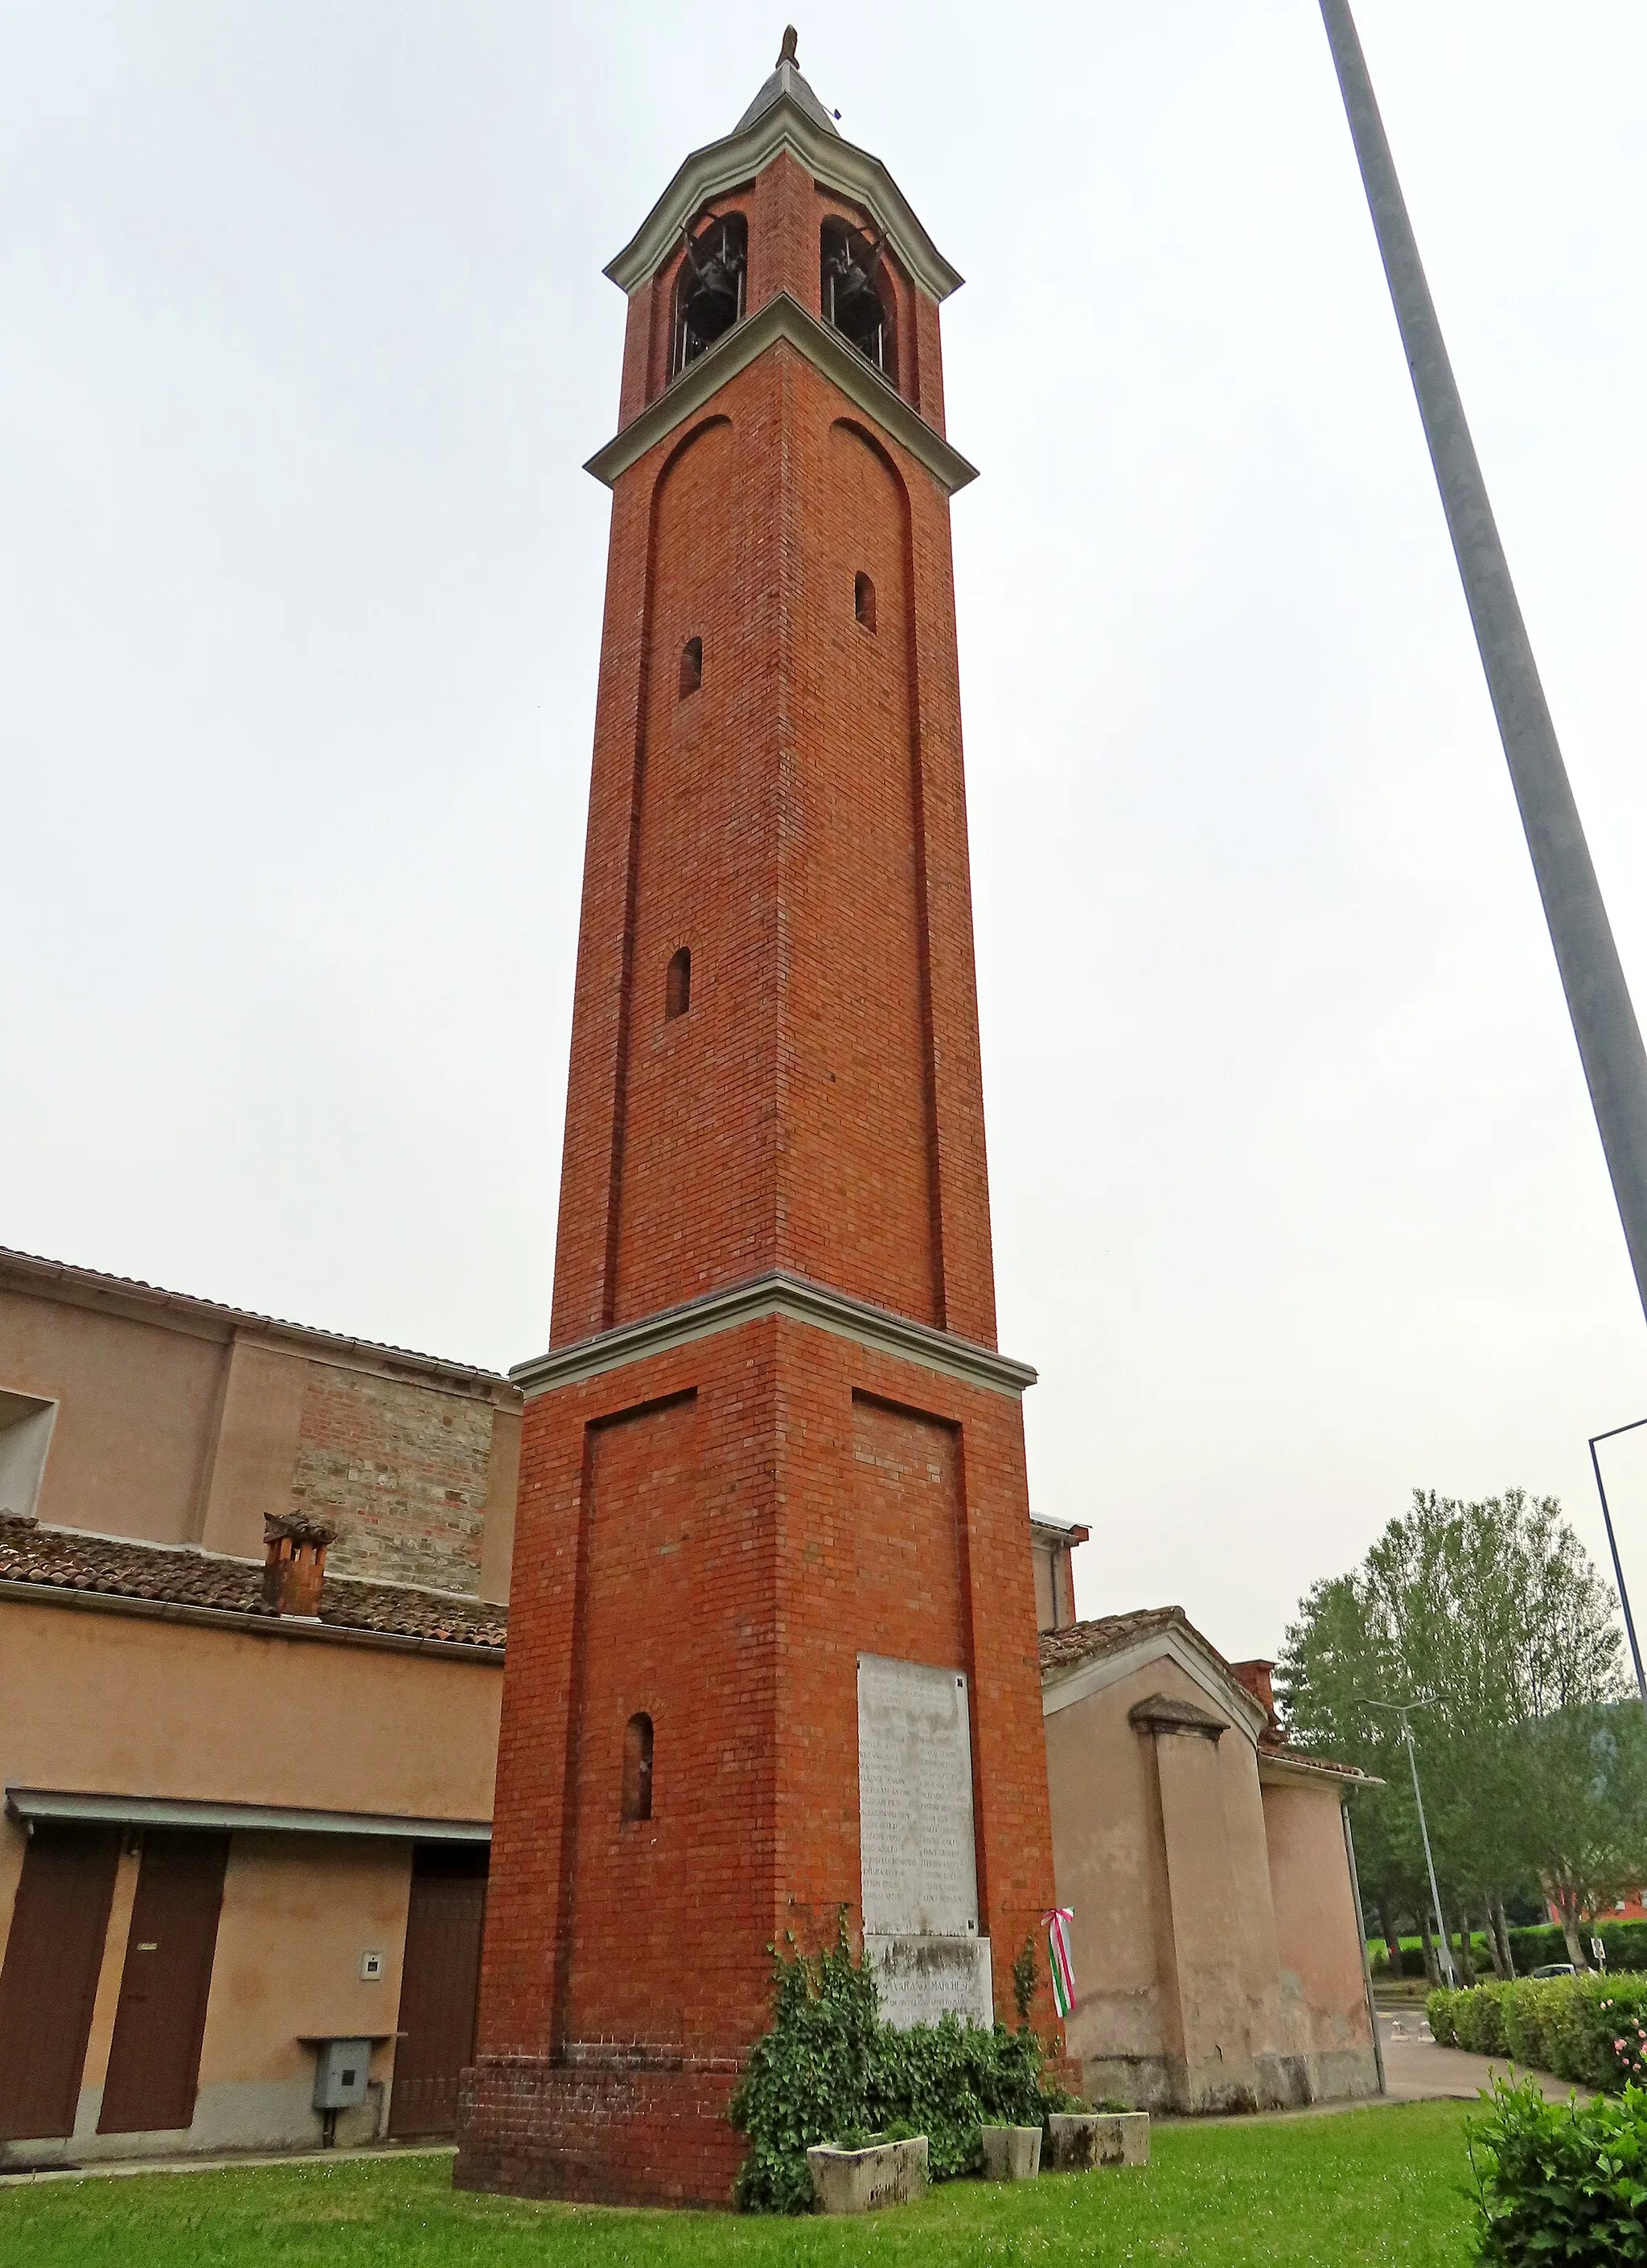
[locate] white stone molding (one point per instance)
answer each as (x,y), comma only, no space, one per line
(877,1329)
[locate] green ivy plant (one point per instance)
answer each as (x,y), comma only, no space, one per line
(831,2072)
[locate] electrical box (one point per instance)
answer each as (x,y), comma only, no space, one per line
(341,2071)
(371,1968)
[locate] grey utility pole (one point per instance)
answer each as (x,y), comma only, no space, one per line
(1597,998)
(1612,1546)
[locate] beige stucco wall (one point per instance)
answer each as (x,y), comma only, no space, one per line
(127,1706)
(1318,1935)
(118,1705)
(1160,1847)
(298,1912)
(137,1408)
(175,1423)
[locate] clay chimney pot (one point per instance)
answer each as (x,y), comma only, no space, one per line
(294,1562)
(1258,1678)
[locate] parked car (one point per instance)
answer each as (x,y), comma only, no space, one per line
(1555,1968)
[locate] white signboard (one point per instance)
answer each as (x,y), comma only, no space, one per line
(915,1801)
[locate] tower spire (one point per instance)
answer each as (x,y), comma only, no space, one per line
(785,79)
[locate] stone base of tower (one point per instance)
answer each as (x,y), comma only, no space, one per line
(613,2132)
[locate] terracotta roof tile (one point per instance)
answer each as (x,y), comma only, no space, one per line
(1108,1634)
(62,1559)
(1092,1641)
(1310,1762)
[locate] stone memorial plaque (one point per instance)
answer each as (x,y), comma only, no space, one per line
(921,1978)
(919,1867)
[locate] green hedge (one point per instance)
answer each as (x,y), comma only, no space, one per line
(1591,2030)
(1625,1943)
(1555,2181)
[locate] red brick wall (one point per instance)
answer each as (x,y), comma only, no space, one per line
(618,2136)
(909,1522)
(721,1561)
(800,822)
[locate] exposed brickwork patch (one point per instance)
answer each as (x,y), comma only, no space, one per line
(403,1473)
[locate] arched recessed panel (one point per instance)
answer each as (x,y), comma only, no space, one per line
(862,1212)
(691,492)
(693,1192)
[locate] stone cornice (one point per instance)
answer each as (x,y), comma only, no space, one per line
(877,1329)
(833,162)
(1167,1713)
(784,318)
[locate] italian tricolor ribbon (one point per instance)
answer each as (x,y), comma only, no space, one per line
(1063,1969)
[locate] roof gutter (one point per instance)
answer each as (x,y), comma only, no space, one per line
(32,1807)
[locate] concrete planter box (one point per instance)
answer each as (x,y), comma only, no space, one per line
(863,2181)
(1084,2138)
(1011,2154)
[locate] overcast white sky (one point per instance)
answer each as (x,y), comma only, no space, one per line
(303,340)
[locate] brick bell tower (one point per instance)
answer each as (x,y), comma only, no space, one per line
(773,1587)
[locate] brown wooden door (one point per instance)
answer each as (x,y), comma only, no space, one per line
(439,1982)
(154,2062)
(53,1954)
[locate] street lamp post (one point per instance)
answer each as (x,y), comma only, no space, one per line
(1402,1709)
(1612,1546)
(1593,976)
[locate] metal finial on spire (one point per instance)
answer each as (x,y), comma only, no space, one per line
(787,53)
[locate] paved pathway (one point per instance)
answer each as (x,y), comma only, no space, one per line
(1415,2070)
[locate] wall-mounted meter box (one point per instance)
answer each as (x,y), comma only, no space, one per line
(342,2068)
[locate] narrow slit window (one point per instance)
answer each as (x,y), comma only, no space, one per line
(863,601)
(638,1767)
(677,984)
(691,667)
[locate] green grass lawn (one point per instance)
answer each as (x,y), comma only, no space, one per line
(1381,2185)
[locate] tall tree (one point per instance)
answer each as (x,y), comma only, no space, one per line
(1489,1619)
